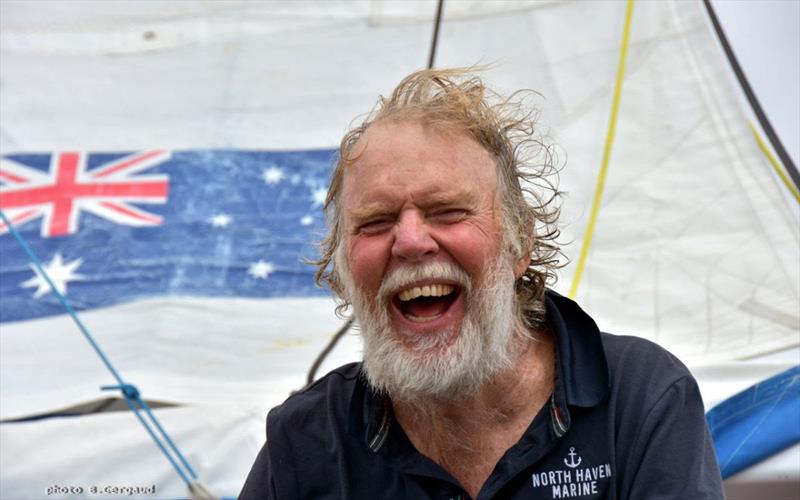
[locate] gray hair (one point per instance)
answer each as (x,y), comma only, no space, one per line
(457,100)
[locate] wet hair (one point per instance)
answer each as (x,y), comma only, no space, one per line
(456,100)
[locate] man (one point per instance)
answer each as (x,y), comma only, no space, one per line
(476,381)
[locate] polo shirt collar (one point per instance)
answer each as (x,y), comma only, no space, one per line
(580,359)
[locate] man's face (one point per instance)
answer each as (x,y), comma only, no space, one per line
(421,256)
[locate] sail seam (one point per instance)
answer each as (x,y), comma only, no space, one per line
(601,177)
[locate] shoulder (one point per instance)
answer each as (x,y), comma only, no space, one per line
(324,400)
(661,439)
(646,381)
(641,359)
(310,420)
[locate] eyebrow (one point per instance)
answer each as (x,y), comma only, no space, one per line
(432,200)
(448,198)
(368,211)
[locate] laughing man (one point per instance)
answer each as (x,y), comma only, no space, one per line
(477,382)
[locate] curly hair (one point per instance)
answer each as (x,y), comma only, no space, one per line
(457,100)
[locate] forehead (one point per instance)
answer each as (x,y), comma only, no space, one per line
(405,160)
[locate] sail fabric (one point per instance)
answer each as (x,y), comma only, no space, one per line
(178,351)
(111,450)
(696,241)
(695,235)
(695,246)
(242,104)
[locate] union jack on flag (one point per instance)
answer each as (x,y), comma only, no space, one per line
(69,187)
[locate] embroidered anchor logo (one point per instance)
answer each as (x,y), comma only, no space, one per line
(572,463)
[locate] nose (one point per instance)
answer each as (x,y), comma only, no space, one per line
(413,240)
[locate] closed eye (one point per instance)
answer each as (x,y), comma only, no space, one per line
(449,216)
(376,226)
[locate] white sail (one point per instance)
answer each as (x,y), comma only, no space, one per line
(696,244)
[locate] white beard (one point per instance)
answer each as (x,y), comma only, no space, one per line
(417,368)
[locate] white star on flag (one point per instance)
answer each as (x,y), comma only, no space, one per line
(306,220)
(272,175)
(220,220)
(318,197)
(261,270)
(59,273)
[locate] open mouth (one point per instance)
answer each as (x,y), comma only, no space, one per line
(424,303)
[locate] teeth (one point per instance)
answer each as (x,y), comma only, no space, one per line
(426,291)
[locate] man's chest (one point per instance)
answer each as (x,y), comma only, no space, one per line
(580,464)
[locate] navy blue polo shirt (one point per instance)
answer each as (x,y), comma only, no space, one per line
(625,420)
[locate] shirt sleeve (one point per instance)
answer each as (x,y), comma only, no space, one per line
(259,484)
(672,456)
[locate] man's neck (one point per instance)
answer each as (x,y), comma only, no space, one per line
(468,437)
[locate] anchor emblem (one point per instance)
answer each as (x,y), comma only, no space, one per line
(572,463)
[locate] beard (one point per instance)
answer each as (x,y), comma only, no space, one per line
(448,365)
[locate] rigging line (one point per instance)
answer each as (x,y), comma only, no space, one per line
(774,162)
(435,39)
(40,270)
(131,396)
(130,391)
(143,404)
(776,143)
(312,372)
(601,176)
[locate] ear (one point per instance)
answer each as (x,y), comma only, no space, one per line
(522,263)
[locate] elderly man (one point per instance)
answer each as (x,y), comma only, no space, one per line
(477,382)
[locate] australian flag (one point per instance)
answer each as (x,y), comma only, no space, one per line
(111,228)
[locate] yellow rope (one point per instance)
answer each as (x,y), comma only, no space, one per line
(601,178)
(774,162)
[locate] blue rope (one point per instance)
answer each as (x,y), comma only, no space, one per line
(130,391)
(126,389)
